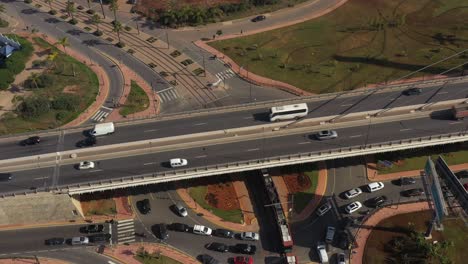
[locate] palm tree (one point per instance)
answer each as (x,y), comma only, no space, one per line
(64,42)
(70,9)
(96,20)
(51,58)
(114,7)
(117,29)
(34,77)
(89,3)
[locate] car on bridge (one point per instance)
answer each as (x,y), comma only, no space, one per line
(412,91)
(86,165)
(178,162)
(326,134)
(353,207)
(31,141)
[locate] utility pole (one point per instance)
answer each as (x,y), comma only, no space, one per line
(167,39)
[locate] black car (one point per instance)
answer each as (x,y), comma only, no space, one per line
(31,141)
(144,206)
(215,246)
(160,230)
(343,240)
(55,241)
(412,192)
(207,259)
(223,233)
(462,174)
(92,229)
(5,177)
(87,142)
(179,227)
(406,181)
(377,201)
(258,18)
(245,249)
(100,238)
(412,91)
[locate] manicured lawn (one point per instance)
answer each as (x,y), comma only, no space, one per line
(137,100)
(415,160)
(99,207)
(301,199)
(154,260)
(382,40)
(198,193)
(67,77)
(455,230)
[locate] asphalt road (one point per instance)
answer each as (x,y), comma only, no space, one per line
(220,121)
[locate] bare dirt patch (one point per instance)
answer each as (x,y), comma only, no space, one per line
(71,89)
(222,196)
(297,182)
(99,207)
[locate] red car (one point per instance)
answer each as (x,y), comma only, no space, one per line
(466,186)
(243,260)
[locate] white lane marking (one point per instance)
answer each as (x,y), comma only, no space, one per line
(95,170)
(41,178)
(355,136)
(107,108)
(405,129)
(199,124)
(249,117)
(199,157)
(149,130)
(255,149)
(347,105)
(149,163)
(391,99)
(301,143)
(454,123)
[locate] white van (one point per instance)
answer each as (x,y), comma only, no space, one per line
(102,129)
(375,186)
(322,252)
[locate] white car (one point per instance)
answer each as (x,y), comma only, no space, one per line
(86,165)
(375,186)
(178,162)
(353,207)
(251,236)
(326,134)
(202,230)
(80,241)
(353,193)
(324,209)
(181,210)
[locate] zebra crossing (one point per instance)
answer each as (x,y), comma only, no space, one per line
(125,231)
(100,115)
(224,75)
(168,94)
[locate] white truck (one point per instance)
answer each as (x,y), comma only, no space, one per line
(102,129)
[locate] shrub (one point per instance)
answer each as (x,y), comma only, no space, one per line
(28,1)
(62,115)
(33,107)
(53,12)
(120,44)
(87,28)
(128,28)
(73,21)
(98,33)
(80,7)
(90,11)
(68,102)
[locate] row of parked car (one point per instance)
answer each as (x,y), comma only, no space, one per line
(96,236)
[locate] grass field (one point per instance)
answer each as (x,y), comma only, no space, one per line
(68,76)
(137,100)
(381,41)
(154,260)
(198,193)
(99,207)
(301,199)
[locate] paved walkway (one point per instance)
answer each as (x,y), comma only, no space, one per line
(245,202)
(375,219)
(125,254)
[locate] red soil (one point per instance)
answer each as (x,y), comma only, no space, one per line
(297,182)
(222,196)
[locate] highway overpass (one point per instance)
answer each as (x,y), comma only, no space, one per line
(229,140)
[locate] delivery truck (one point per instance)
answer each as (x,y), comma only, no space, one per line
(102,129)
(459,112)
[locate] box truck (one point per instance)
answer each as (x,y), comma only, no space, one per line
(102,129)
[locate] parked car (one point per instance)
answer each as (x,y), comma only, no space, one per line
(86,165)
(97,228)
(353,207)
(31,141)
(202,230)
(243,260)
(55,241)
(100,238)
(181,210)
(87,142)
(324,209)
(223,233)
(144,206)
(250,236)
(375,186)
(207,259)
(326,134)
(322,252)
(343,240)
(245,249)
(406,181)
(412,91)
(353,193)
(413,192)
(340,258)
(330,234)
(160,230)
(376,201)
(215,246)
(258,18)
(80,241)
(179,227)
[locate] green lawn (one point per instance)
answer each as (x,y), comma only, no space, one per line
(380,41)
(137,100)
(416,159)
(198,193)
(153,260)
(456,231)
(301,199)
(99,207)
(65,72)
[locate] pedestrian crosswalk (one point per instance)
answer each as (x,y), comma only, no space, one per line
(125,231)
(100,115)
(224,75)
(168,94)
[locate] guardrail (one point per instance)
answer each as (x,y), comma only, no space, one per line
(264,163)
(243,107)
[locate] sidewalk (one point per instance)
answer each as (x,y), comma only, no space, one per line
(126,254)
(375,219)
(245,202)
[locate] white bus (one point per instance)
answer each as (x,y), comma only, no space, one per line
(286,112)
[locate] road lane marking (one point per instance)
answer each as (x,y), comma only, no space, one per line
(95,170)
(41,178)
(149,163)
(405,129)
(199,124)
(454,123)
(347,105)
(301,143)
(249,117)
(150,130)
(355,136)
(255,149)
(201,156)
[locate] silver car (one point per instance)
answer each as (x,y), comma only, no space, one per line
(80,240)
(324,209)
(326,134)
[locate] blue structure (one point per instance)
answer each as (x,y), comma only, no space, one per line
(7,47)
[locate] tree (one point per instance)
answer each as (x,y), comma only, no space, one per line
(96,20)
(2,8)
(102,9)
(114,7)
(64,42)
(34,78)
(51,58)
(70,9)
(89,3)
(117,28)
